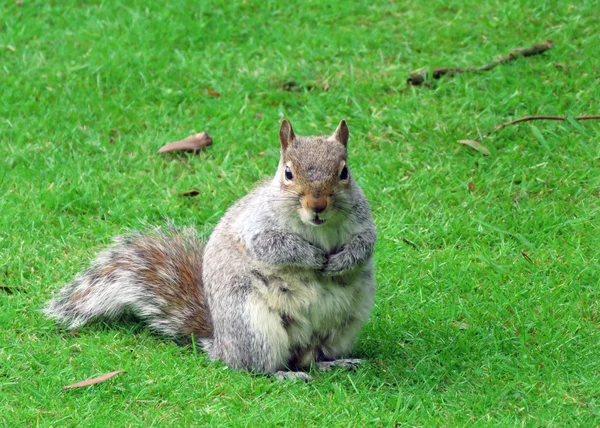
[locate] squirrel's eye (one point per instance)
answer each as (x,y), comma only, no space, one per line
(288,174)
(344,173)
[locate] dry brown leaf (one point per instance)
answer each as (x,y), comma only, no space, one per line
(94,381)
(213,93)
(193,143)
(475,145)
(192,192)
(460,325)
(471,186)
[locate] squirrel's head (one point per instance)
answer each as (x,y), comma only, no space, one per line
(313,171)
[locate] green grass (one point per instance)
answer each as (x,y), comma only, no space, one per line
(493,316)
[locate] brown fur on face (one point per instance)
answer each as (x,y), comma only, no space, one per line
(316,164)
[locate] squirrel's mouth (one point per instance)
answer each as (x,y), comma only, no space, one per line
(318,221)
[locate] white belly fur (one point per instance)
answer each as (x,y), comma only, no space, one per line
(302,310)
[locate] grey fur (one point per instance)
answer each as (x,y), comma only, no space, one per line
(283,285)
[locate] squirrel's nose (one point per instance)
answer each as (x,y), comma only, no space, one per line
(316,205)
(319,209)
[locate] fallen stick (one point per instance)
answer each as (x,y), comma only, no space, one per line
(474,144)
(419,77)
(530,118)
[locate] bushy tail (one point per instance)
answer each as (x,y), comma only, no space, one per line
(156,277)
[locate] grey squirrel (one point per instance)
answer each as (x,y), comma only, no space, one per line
(284,282)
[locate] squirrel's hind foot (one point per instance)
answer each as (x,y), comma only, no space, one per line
(345,363)
(285,375)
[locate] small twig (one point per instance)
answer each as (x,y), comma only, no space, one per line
(10,289)
(419,77)
(532,50)
(409,242)
(530,118)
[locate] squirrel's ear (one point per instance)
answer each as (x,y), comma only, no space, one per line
(286,134)
(341,134)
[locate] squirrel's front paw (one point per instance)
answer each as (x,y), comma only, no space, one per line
(336,265)
(317,259)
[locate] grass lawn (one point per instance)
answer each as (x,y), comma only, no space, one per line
(488,303)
